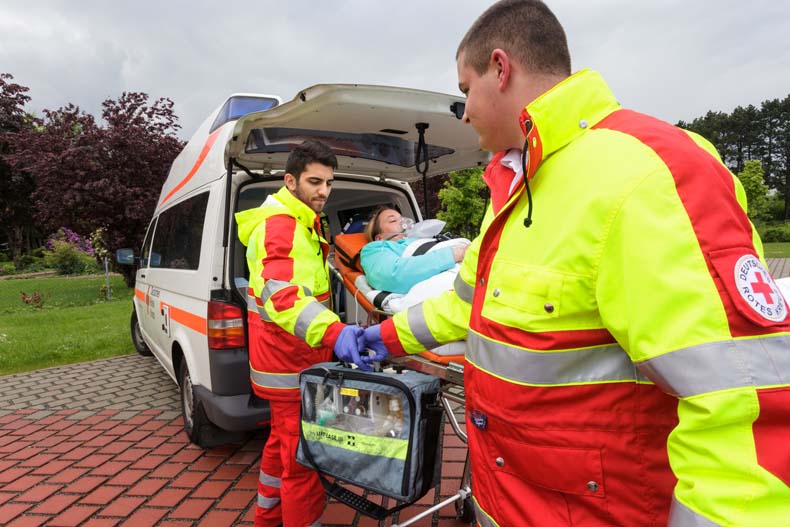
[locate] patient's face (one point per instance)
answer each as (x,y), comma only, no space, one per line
(390,227)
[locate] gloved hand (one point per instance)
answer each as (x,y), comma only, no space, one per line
(372,340)
(348,346)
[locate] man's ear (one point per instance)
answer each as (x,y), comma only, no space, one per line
(502,67)
(290,181)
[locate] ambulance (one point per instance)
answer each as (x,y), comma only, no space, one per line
(191,279)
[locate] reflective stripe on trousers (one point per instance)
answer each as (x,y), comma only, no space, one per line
(481,518)
(268,480)
(683,373)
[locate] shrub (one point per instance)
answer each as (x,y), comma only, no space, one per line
(65,258)
(775,233)
(7,268)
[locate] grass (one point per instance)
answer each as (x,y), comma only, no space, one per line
(74,324)
(777,250)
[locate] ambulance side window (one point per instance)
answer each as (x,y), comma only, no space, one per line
(149,236)
(179,233)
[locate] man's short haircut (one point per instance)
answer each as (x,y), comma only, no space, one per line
(310,151)
(526,30)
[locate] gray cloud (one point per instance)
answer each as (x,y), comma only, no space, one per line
(675,59)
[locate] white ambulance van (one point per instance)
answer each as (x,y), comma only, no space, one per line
(190,292)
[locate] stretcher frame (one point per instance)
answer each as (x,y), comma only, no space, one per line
(449,369)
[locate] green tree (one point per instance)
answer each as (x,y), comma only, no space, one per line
(756,192)
(463,198)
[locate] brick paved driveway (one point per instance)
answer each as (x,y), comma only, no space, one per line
(101,444)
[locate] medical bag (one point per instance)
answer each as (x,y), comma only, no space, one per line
(376,430)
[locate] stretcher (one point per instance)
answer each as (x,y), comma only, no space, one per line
(363,306)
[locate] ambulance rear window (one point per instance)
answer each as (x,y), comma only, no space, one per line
(237,106)
(373,146)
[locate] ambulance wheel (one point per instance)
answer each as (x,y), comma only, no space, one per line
(137,337)
(464,510)
(199,429)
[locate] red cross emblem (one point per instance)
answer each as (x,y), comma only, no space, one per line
(761,288)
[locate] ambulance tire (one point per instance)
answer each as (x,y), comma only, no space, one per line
(137,337)
(199,429)
(464,510)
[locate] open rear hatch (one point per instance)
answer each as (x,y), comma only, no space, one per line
(383,131)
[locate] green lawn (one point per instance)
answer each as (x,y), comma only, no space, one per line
(777,250)
(74,324)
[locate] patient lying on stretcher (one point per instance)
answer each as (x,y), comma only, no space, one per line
(410,267)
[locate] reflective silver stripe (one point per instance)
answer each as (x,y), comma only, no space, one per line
(262,312)
(271,287)
(275,380)
(723,365)
(251,303)
(682,516)
(267,503)
(463,290)
(327,303)
(268,480)
(316,523)
(306,316)
(416,319)
(598,364)
(482,518)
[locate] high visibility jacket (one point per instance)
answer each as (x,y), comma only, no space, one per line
(291,324)
(633,327)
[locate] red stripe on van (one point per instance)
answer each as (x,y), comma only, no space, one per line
(141,295)
(185,318)
(202,157)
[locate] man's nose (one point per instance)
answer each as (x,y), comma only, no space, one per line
(465,118)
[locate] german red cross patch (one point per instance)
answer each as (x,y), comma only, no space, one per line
(758,289)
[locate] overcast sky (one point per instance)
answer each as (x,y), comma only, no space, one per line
(675,59)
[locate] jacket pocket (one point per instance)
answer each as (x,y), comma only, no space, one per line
(517,293)
(577,471)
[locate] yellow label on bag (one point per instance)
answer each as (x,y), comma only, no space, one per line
(353,392)
(355,442)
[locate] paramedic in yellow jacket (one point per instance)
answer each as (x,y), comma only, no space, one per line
(628,356)
(291,325)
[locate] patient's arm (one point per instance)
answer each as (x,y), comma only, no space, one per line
(387,270)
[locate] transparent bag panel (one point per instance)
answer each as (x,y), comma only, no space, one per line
(354,410)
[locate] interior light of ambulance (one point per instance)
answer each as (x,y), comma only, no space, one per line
(372,146)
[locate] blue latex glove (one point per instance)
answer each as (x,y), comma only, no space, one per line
(373,341)
(348,346)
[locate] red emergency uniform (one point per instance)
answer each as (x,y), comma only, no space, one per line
(291,327)
(628,358)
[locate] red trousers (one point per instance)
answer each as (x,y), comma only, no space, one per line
(289,494)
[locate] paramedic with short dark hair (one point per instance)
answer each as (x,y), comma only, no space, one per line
(628,353)
(291,325)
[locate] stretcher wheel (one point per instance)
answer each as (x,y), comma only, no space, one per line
(464,510)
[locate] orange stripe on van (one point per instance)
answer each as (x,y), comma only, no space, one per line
(185,318)
(196,166)
(140,294)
